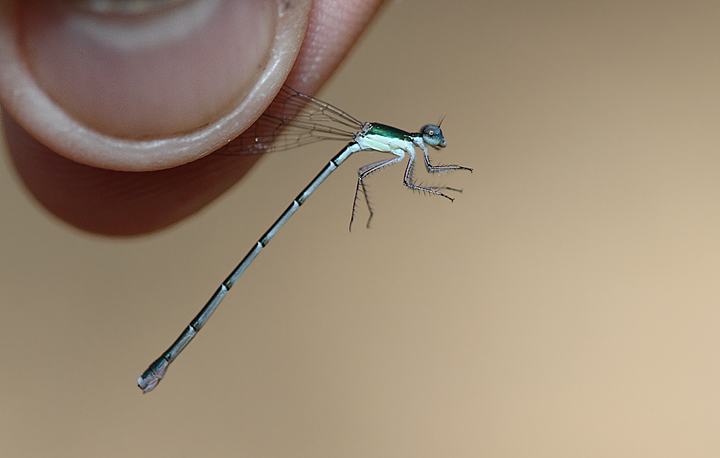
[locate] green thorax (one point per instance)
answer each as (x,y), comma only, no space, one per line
(388,131)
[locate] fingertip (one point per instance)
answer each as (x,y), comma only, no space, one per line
(149,90)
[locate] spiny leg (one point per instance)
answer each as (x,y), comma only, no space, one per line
(409,180)
(367,202)
(363,172)
(440,168)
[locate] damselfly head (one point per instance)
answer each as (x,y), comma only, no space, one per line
(433,136)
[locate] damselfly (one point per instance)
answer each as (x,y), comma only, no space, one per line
(295,119)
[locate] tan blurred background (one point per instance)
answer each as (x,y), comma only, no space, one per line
(566,305)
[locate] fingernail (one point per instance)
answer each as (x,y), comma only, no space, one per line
(146,69)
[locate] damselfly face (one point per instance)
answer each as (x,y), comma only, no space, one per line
(433,136)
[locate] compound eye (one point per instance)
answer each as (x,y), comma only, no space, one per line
(433,136)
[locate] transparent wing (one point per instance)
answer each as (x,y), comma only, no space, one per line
(293,120)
